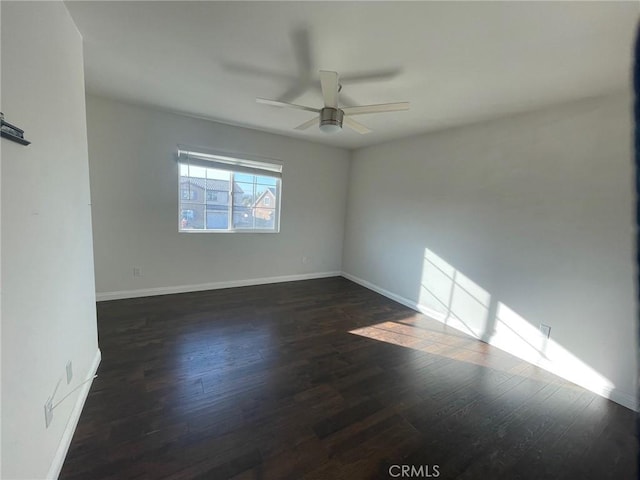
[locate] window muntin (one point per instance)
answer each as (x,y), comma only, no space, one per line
(228,199)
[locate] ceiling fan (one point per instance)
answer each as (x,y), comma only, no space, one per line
(331,117)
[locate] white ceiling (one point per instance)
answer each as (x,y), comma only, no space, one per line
(456,62)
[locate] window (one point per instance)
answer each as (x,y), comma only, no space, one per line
(219,193)
(188,194)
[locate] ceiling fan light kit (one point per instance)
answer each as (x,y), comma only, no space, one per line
(331,117)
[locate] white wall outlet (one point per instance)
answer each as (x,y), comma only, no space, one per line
(48,412)
(545,330)
(69,372)
(305,259)
(137,272)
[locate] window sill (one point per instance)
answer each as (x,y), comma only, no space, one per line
(227,231)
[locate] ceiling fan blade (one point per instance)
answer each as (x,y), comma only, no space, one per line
(276,103)
(329,82)
(357,126)
(385,107)
(309,123)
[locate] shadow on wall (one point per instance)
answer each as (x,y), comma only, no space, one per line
(450,297)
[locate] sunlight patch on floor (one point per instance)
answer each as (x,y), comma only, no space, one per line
(464,307)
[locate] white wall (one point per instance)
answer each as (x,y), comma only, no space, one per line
(48,295)
(497,227)
(135,207)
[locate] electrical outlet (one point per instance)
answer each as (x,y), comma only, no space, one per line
(69,372)
(545,330)
(305,259)
(137,272)
(48,412)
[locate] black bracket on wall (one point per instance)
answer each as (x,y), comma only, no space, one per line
(12,132)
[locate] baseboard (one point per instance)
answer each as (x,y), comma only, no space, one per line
(150,292)
(615,395)
(622,398)
(433,314)
(372,286)
(67,436)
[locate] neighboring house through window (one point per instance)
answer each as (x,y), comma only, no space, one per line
(262,208)
(220,193)
(188,194)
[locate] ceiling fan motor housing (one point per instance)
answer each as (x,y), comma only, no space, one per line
(331,119)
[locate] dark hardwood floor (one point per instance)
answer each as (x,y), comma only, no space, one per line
(267,382)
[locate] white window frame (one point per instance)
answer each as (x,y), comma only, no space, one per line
(232,163)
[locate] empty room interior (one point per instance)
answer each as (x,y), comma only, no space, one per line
(318,240)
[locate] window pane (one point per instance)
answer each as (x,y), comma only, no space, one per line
(260,189)
(215,174)
(197,172)
(217,220)
(269,181)
(264,213)
(217,197)
(266,219)
(242,217)
(192,189)
(191,216)
(243,194)
(245,177)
